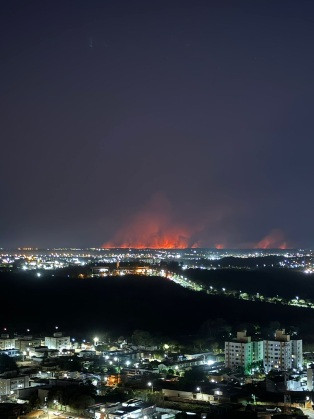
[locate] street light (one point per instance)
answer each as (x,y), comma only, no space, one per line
(96,340)
(150,384)
(200,391)
(56,404)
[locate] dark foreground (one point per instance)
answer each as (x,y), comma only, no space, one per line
(122,305)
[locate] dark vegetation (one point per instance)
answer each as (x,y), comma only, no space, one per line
(76,396)
(247,262)
(7,364)
(121,305)
(286,283)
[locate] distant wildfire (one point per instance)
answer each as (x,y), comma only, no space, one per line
(153,227)
(274,240)
(157,227)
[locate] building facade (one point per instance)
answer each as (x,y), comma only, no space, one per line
(242,352)
(12,384)
(310,378)
(57,341)
(23,344)
(6,342)
(282,353)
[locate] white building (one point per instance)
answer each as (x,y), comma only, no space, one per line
(12,384)
(282,353)
(242,352)
(24,343)
(10,352)
(297,354)
(188,395)
(57,341)
(6,342)
(310,377)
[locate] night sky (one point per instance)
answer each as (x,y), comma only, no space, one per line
(162,123)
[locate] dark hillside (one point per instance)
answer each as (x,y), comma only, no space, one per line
(121,305)
(285,282)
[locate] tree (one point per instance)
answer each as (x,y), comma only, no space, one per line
(7,364)
(155,398)
(193,376)
(33,401)
(56,393)
(216,328)
(142,338)
(154,364)
(200,344)
(111,370)
(102,347)
(72,394)
(214,347)
(81,401)
(239,370)
(258,366)
(69,363)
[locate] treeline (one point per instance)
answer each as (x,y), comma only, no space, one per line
(122,305)
(286,283)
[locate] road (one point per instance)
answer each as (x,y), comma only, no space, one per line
(52,414)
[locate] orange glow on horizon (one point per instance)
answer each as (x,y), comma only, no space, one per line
(274,240)
(165,242)
(154,227)
(152,236)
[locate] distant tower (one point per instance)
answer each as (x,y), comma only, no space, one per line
(118,264)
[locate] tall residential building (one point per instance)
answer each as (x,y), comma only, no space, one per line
(282,353)
(12,384)
(310,377)
(6,342)
(297,354)
(57,341)
(242,352)
(24,343)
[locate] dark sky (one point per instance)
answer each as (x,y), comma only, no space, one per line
(135,120)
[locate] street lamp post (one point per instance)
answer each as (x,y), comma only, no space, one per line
(150,384)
